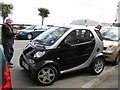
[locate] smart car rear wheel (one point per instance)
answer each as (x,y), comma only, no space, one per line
(47,75)
(97,66)
(29,36)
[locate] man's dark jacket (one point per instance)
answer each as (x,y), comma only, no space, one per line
(7,36)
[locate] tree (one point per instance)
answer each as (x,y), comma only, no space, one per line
(5,10)
(43,12)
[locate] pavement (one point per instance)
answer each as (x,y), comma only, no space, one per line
(109,79)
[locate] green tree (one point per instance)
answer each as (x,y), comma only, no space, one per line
(43,12)
(5,10)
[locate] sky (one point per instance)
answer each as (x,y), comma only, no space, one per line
(62,11)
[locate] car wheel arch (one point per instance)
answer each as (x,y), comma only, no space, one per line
(50,63)
(100,55)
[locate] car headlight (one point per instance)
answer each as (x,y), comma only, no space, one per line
(39,54)
(111,49)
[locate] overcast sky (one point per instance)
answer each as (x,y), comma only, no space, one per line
(63,11)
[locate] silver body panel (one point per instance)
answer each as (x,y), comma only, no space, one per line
(98,45)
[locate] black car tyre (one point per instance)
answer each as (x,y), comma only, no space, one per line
(97,66)
(20,61)
(117,60)
(47,75)
(29,36)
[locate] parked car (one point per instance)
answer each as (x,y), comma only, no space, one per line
(63,49)
(5,79)
(111,40)
(31,32)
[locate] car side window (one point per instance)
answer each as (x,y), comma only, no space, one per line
(84,35)
(71,38)
(37,28)
(79,36)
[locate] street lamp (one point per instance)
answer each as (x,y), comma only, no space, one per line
(117,13)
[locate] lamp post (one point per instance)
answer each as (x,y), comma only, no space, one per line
(117,13)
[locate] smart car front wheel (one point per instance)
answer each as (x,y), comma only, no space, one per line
(97,66)
(47,75)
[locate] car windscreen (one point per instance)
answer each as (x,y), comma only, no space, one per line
(110,34)
(50,36)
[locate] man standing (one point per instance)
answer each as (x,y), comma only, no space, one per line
(7,39)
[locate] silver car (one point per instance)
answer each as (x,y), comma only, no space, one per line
(63,49)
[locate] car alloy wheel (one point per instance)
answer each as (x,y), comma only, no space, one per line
(29,36)
(97,66)
(47,75)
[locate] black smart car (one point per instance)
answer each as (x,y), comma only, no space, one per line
(62,49)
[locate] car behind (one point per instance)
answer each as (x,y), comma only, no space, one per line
(111,40)
(31,32)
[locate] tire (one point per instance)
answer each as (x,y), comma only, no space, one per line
(47,75)
(29,36)
(97,66)
(117,60)
(20,61)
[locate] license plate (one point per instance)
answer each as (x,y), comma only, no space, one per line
(25,65)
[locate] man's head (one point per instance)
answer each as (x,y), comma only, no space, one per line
(98,26)
(8,20)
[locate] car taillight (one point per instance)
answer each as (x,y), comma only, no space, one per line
(6,82)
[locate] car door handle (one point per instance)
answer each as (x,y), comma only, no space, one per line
(98,49)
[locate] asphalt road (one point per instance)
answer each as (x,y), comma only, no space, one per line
(22,79)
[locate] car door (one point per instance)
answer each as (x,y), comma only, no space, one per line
(75,50)
(85,46)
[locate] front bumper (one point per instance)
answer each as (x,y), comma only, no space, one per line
(26,65)
(109,56)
